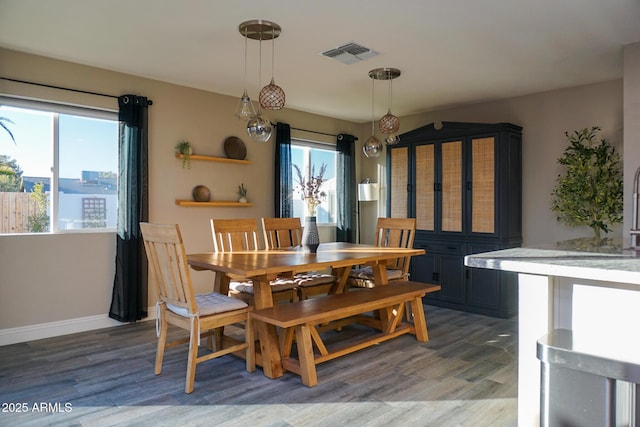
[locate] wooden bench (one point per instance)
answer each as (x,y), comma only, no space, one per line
(304,317)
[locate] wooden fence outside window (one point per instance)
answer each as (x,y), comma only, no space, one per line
(15,210)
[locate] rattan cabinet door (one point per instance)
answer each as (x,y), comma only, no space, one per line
(425,187)
(451,187)
(398,183)
(483,185)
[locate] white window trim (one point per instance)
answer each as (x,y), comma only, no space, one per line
(59,108)
(299,142)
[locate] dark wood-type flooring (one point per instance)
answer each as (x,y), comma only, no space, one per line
(464,376)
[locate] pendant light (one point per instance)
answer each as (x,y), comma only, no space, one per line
(245,109)
(272,96)
(259,127)
(372,147)
(388,124)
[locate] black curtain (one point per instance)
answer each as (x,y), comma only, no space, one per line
(283,186)
(346,188)
(129,298)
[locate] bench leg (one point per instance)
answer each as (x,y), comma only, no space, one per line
(286,341)
(269,350)
(305,355)
(419,321)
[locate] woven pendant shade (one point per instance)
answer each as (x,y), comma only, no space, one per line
(389,123)
(272,96)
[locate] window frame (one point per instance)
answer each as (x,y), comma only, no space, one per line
(57,108)
(310,144)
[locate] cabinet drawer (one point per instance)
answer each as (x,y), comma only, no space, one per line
(452,248)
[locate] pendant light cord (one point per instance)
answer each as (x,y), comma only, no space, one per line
(372,104)
(390,91)
(259,112)
(273,52)
(245,60)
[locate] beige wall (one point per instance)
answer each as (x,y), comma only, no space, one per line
(48,278)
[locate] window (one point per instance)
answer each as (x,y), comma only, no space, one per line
(61,173)
(307,155)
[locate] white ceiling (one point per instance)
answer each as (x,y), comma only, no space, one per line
(450,52)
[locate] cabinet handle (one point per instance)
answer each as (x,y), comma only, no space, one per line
(437,186)
(436,277)
(469,185)
(452,248)
(467,273)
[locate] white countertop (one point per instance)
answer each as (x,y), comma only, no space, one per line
(573,258)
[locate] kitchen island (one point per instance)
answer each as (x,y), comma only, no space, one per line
(589,289)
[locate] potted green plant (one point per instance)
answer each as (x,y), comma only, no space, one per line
(184,148)
(591,189)
(242,192)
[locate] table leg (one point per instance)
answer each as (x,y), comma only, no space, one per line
(342,274)
(269,346)
(221,283)
(380,274)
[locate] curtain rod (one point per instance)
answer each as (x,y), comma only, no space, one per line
(63,88)
(319,133)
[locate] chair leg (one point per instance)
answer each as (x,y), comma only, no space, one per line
(219,333)
(162,340)
(193,356)
(251,345)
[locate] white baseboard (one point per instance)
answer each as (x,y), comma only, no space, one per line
(62,327)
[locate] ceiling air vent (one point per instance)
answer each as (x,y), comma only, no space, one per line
(350,53)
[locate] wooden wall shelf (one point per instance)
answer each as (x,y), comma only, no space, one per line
(214,159)
(214,204)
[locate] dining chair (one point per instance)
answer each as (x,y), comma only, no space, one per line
(391,233)
(202,315)
(282,233)
(233,235)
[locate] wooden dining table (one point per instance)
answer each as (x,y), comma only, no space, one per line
(263,266)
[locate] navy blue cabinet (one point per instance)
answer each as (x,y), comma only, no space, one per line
(463,184)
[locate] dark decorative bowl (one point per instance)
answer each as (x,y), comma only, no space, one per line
(201,193)
(234,148)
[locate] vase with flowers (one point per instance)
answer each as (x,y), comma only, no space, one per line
(311,192)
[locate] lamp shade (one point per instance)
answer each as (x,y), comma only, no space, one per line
(367,192)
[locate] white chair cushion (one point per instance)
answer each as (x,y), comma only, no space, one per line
(280,284)
(367,273)
(313,279)
(208,304)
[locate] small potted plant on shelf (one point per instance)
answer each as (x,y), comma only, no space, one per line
(184,148)
(242,192)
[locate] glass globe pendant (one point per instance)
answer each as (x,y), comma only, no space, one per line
(392,139)
(259,128)
(372,146)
